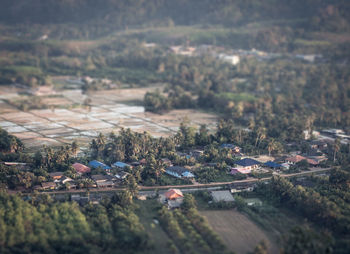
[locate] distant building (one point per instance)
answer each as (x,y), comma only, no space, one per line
(231,59)
(333,132)
(184,51)
(179,172)
(42,91)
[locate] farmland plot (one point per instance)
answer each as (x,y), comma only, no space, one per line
(239,233)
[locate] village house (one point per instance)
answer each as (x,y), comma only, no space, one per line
(103,181)
(48,185)
(232,147)
(297,158)
(179,172)
(81,169)
(242,186)
(65,179)
(245,166)
(196,153)
(318,144)
(173,198)
(167,162)
(121,175)
(121,165)
(222,195)
(272,165)
(98,164)
(56,175)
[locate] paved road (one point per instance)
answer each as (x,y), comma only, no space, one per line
(191,186)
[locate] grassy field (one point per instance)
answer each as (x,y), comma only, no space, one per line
(238,232)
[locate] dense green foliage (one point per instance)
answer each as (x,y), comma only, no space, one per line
(44,226)
(9,143)
(189,231)
(267,93)
(326,204)
(316,14)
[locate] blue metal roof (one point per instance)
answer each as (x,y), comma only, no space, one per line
(187,174)
(98,164)
(272,164)
(247,162)
(120,164)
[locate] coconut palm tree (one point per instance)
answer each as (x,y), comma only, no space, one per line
(336,148)
(272,145)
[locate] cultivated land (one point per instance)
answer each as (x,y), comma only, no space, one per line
(66,118)
(239,233)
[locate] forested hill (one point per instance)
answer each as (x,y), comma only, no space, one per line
(310,14)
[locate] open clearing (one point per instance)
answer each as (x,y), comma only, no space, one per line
(239,233)
(108,110)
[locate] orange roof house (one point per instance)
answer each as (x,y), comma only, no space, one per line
(173,194)
(56,175)
(81,169)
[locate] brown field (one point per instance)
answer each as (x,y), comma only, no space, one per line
(109,110)
(239,233)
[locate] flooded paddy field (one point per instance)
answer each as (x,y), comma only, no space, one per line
(68,117)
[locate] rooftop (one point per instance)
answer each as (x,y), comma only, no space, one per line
(247,162)
(272,164)
(80,168)
(222,196)
(177,169)
(98,164)
(120,164)
(101,177)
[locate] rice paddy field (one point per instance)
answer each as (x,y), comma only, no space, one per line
(65,116)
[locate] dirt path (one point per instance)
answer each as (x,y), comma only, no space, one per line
(197,186)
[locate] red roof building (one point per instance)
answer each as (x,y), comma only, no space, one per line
(81,169)
(173,194)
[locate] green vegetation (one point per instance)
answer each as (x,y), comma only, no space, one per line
(43,226)
(9,143)
(189,231)
(276,94)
